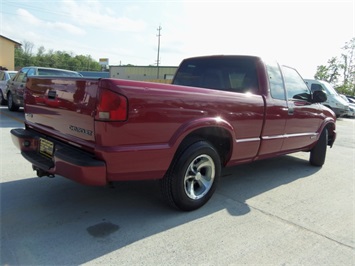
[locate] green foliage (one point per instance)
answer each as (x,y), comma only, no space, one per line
(56,59)
(340,71)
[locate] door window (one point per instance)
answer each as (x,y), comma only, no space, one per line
(276,84)
(295,86)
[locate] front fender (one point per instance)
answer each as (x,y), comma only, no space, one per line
(330,125)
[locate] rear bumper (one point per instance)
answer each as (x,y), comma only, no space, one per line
(66,160)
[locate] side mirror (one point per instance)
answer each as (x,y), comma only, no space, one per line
(319,96)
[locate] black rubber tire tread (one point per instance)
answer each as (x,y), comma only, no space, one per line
(2,100)
(318,153)
(10,103)
(172,187)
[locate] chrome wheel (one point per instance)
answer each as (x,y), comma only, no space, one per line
(199,177)
(192,176)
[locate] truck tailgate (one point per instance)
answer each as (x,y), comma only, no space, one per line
(62,107)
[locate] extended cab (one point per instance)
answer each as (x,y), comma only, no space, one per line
(220,111)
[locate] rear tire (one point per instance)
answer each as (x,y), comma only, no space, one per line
(318,153)
(192,177)
(2,100)
(11,105)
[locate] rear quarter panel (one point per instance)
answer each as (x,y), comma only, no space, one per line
(162,115)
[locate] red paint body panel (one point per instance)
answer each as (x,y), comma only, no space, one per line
(160,117)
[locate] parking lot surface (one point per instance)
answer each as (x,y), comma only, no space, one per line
(281,211)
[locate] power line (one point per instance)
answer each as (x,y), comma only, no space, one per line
(36,8)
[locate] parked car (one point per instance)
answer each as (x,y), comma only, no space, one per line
(351,112)
(5,76)
(336,103)
(350,98)
(15,87)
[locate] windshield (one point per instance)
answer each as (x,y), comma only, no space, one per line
(330,90)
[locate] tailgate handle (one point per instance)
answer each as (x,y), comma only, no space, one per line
(52,94)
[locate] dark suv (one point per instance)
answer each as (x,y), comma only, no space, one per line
(15,87)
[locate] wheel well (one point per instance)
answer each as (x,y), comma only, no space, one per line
(220,139)
(331,133)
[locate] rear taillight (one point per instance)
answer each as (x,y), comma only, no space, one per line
(112,106)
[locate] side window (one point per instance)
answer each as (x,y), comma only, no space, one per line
(277,90)
(295,86)
(2,75)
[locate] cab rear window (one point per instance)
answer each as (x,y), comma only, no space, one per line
(228,74)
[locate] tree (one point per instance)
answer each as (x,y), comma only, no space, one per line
(348,66)
(340,71)
(56,59)
(328,73)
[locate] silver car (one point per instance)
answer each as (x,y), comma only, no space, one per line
(15,87)
(5,76)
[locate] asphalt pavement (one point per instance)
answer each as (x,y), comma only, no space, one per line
(281,211)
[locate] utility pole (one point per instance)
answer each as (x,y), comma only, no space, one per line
(158,58)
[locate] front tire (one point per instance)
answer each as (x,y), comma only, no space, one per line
(11,105)
(192,177)
(318,153)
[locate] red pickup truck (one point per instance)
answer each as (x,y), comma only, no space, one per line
(220,111)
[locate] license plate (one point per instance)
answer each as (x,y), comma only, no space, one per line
(46,147)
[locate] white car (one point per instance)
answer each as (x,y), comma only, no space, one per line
(339,106)
(5,75)
(351,111)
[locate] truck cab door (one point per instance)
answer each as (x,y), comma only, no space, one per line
(304,117)
(276,113)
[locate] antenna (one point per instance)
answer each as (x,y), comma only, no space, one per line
(158,58)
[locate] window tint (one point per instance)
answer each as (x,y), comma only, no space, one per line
(275,81)
(295,86)
(231,74)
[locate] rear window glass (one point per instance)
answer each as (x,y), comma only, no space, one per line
(236,74)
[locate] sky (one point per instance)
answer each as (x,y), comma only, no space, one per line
(302,34)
